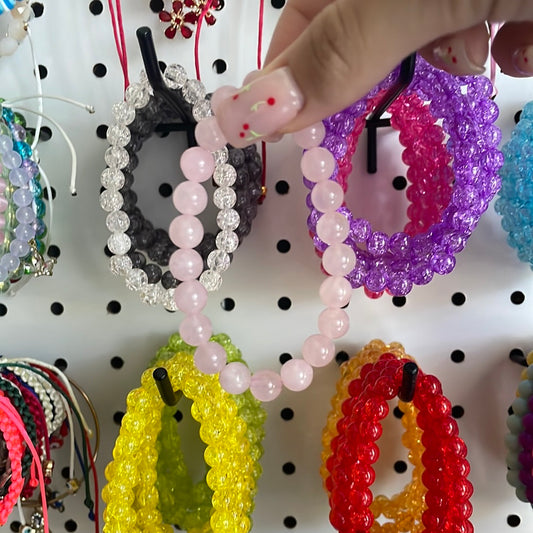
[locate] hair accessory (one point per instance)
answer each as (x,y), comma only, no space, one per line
(445,208)
(20,14)
(445,503)
(184,16)
(232,434)
(516,193)
(134,241)
(519,440)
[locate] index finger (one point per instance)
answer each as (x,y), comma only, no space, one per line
(296,16)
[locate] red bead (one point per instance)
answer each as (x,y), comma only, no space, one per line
(439,406)
(463,489)
(368,453)
(371,430)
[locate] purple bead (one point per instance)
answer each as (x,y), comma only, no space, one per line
(526,478)
(31,166)
(526,459)
(360,229)
(442,263)
(19,133)
(526,440)
(527,421)
(377,243)
(375,281)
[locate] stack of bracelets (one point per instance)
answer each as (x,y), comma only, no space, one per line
(17,28)
(140,251)
(516,193)
(23,231)
(437,498)
(37,407)
(149,487)
(519,441)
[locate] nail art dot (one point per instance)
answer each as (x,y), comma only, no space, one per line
(235,96)
(241,134)
(271,101)
(246,126)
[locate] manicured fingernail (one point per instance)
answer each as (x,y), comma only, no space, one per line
(523,60)
(260,108)
(452,56)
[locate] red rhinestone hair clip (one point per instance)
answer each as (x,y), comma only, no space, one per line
(184,16)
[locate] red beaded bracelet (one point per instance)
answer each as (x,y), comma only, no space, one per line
(354,451)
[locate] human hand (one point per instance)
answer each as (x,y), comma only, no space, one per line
(326,54)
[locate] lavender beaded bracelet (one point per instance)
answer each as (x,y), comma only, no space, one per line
(396,262)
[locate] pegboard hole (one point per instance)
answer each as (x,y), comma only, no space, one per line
(65,472)
(3,310)
(96,7)
(108,252)
(284,357)
(117,417)
(71,525)
(117,362)
(288,468)
(61,364)
(399,301)
(277,4)
(289,522)
(518,297)
(341,357)
(228,304)
(220,5)
(517,356)
(15,526)
(513,520)
(399,183)
(45,134)
(287,413)
(113,307)
(284,303)
(54,251)
(101,131)
(57,308)
(38,9)
(400,467)
(517,116)
(458,298)
(165,190)
(398,413)
(283,246)
(45,193)
(178,416)
(457,356)
(282,187)
(156,5)
(458,411)
(510,411)
(43,72)
(219,66)
(99,70)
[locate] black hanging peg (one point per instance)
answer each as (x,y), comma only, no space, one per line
(164,386)
(151,66)
(408,386)
(407,72)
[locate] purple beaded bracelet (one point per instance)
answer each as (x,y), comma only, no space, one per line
(394,263)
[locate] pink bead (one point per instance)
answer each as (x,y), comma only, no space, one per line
(186,231)
(338,259)
(317,164)
(2,236)
(265,385)
(2,221)
(296,374)
(318,350)
(335,291)
(333,323)
(197,164)
(332,227)
(210,357)
(196,329)
(190,296)
(190,198)
(220,95)
(3,204)
(186,264)
(311,136)
(327,196)
(3,185)
(209,135)
(235,378)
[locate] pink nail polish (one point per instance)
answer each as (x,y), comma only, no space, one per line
(260,108)
(523,60)
(451,55)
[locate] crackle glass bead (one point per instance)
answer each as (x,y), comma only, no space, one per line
(193,90)
(120,265)
(111,200)
(116,157)
(211,280)
(118,135)
(224,197)
(175,76)
(201,109)
(123,113)
(228,219)
(221,156)
(136,278)
(227,241)
(119,243)
(117,221)
(225,175)
(137,95)
(218,260)
(151,294)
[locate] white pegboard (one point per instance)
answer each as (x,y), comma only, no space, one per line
(69,41)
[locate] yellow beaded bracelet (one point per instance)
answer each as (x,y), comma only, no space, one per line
(405,508)
(131,494)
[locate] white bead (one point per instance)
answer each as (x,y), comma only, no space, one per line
(120,265)
(17,30)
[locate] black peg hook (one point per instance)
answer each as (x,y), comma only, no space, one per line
(407,72)
(164,387)
(408,386)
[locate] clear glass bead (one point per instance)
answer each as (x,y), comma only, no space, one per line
(226,240)
(123,112)
(116,157)
(221,156)
(117,221)
(224,197)
(193,90)
(168,300)
(228,219)
(111,200)
(119,243)
(151,293)
(136,279)
(137,95)
(120,265)
(211,280)
(118,135)
(175,76)
(112,178)
(218,260)
(201,110)
(225,175)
